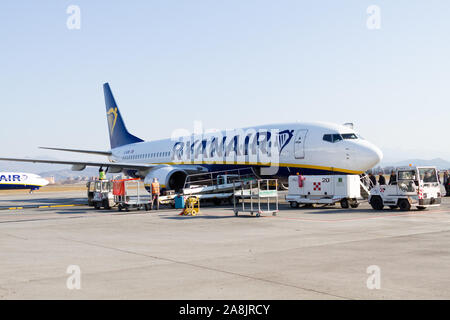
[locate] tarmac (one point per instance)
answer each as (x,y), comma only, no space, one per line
(316,253)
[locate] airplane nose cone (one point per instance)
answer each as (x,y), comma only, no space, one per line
(367,156)
(373,155)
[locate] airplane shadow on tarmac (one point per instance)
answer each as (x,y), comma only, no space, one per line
(46,201)
(331,210)
(76,211)
(200,216)
(342,211)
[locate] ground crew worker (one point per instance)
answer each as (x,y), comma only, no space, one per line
(373,180)
(101,174)
(393,178)
(381,179)
(155,193)
(447,183)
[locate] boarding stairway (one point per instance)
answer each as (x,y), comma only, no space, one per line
(365,186)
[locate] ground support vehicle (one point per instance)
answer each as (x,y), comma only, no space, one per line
(192,207)
(216,187)
(415,186)
(325,190)
(100,194)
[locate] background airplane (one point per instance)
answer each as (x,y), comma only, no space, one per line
(21,180)
(304,148)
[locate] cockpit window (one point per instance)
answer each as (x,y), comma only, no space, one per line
(349,136)
(339,137)
(328,137)
(332,137)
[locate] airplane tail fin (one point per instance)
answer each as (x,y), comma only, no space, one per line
(118,133)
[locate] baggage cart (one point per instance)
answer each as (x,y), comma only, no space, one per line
(131,194)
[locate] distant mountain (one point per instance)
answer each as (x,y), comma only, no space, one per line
(65,174)
(438,162)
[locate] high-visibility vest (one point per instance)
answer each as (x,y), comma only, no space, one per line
(102,175)
(155,188)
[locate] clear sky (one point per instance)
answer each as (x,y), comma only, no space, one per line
(227,64)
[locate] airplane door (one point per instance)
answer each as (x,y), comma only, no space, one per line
(299,143)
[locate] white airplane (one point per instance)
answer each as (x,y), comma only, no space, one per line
(276,151)
(21,180)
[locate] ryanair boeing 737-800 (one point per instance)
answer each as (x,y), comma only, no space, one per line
(21,180)
(276,150)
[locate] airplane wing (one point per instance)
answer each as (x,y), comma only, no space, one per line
(114,167)
(103,153)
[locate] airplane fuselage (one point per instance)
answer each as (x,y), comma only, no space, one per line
(21,180)
(304,148)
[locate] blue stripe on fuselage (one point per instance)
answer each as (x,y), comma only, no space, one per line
(11,186)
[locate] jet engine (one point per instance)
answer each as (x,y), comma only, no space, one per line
(169,178)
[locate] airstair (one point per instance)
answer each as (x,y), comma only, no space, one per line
(365,186)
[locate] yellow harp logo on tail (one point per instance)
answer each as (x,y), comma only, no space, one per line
(112,118)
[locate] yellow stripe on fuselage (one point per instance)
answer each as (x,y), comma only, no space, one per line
(291,165)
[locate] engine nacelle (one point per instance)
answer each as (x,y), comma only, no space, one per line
(169,178)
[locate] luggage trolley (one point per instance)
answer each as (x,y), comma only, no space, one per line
(258,191)
(130,193)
